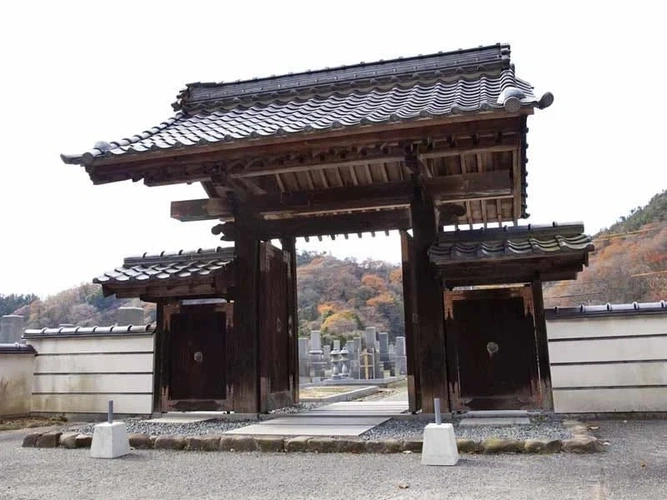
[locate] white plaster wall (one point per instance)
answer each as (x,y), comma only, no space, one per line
(81,374)
(16,375)
(609,364)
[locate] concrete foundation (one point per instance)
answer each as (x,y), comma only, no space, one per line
(439,446)
(110,440)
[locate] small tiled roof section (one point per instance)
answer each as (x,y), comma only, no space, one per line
(89,330)
(636,308)
(422,87)
(17,348)
(510,243)
(168,266)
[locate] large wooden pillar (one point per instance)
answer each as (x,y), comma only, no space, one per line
(410,318)
(289,246)
(243,374)
(542,342)
(428,315)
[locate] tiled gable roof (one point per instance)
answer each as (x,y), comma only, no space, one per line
(517,242)
(168,266)
(424,87)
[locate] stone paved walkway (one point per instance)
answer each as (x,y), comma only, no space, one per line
(348,418)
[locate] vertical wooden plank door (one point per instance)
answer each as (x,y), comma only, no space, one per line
(496,357)
(197,360)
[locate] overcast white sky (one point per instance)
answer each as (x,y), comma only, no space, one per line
(75,73)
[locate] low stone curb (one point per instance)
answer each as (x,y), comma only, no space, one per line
(581,442)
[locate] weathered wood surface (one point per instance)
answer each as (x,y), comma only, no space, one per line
(289,247)
(542,343)
(411,323)
(313,226)
(429,309)
(451,188)
(274,356)
(244,337)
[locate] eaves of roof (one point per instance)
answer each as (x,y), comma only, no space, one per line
(422,88)
(168,266)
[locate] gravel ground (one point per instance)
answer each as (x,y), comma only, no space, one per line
(633,468)
(139,426)
(410,429)
(298,408)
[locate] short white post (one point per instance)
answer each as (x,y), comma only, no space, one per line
(110,438)
(439,447)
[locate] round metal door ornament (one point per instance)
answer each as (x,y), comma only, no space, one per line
(199,357)
(492,348)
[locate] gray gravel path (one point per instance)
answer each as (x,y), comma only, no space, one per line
(140,426)
(633,468)
(412,429)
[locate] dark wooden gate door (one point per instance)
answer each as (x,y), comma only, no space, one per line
(197,360)
(496,356)
(276,354)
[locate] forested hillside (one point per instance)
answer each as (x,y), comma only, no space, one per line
(629,263)
(341,296)
(83,305)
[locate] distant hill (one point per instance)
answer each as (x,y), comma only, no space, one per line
(335,296)
(83,305)
(343,296)
(629,263)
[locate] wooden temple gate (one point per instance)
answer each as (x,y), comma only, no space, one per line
(412,144)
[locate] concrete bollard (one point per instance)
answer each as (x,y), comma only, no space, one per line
(110,438)
(439,446)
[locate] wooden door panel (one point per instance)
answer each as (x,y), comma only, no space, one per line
(493,336)
(197,356)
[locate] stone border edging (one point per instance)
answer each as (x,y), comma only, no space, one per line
(359,392)
(581,442)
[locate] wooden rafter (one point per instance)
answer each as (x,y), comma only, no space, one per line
(367,169)
(281,185)
(444,189)
(353,174)
(516,169)
(467,203)
(480,169)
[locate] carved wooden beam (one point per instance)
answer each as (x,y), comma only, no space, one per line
(384,220)
(446,189)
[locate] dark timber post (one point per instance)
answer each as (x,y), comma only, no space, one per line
(429,326)
(289,246)
(410,313)
(244,340)
(542,344)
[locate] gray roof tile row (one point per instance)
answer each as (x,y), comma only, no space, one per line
(168,266)
(607,310)
(497,247)
(89,330)
(430,86)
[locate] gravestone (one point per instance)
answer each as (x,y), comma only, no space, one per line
(401,360)
(130,316)
(354,350)
(392,360)
(336,345)
(317,362)
(369,338)
(326,352)
(11,328)
(304,365)
(383,338)
(315,340)
(379,366)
